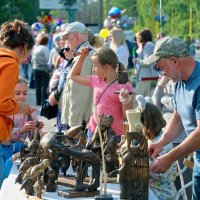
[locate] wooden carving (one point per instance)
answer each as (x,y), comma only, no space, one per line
(134,172)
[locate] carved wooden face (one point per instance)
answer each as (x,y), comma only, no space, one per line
(106,121)
(122,77)
(136,140)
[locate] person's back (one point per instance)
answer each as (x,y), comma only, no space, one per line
(119,46)
(40,58)
(40,54)
(145,73)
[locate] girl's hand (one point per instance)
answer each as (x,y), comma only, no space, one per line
(29,126)
(124,96)
(84,51)
(24,108)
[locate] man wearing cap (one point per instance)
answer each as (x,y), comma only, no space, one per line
(76,100)
(171,56)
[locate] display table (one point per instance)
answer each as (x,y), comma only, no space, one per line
(11,191)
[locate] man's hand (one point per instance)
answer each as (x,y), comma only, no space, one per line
(163,81)
(161,164)
(154,149)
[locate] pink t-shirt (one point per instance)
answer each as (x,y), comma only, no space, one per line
(108,104)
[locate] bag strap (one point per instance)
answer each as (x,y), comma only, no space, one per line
(105,90)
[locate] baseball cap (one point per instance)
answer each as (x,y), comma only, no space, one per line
(75,27)
(167,47)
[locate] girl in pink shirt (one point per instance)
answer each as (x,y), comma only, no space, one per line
(104,84)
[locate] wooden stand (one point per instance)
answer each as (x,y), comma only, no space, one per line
(70,193)
(66,181)
(70,181)
(33,198)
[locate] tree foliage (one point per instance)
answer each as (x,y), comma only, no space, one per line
(177,13)
(21,9)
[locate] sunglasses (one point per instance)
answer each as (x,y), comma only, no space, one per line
(157,68)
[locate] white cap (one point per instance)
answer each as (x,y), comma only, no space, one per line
(75,27)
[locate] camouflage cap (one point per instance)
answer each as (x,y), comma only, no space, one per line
(167,47)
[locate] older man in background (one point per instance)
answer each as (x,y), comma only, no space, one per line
(76,100)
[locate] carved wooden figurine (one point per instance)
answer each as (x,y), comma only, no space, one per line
(109,142)
(134,170)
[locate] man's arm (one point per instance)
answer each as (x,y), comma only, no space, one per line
(189,145)
(173,129)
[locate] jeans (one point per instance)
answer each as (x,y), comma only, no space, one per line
(89,135)
(41,86)
(60,127)
(196,177)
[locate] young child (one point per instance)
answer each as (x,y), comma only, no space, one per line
(104,84)
(24,127)
(161,185)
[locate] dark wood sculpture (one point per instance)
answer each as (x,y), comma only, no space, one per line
(38,187)
(32,147)
(49,141)
(109,142)
(134,172)
(54,148)
(122,77)
(27,164)
(30,177)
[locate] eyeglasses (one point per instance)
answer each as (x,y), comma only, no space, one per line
(157,68)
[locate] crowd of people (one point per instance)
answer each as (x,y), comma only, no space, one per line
(80,74)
